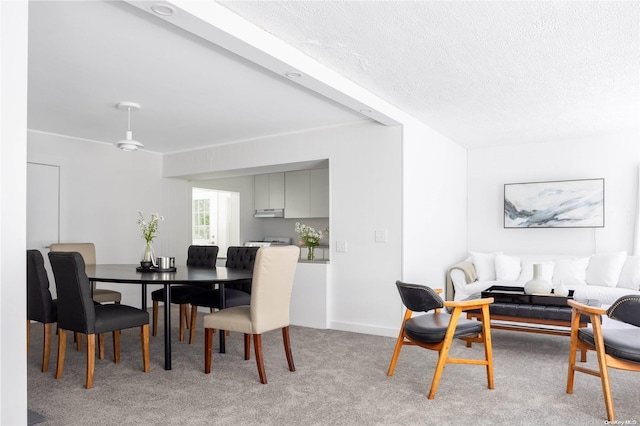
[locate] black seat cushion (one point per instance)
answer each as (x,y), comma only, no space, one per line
(623,343)
(432,327)
(180,294)
(116,317)
(211,298)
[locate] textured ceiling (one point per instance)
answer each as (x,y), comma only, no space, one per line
(481,73)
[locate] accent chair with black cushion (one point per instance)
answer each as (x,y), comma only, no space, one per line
(88,252)
(78,313)
(198,256)
(436,330)
(273,275)
(235,293)
(40,305)
(615,347)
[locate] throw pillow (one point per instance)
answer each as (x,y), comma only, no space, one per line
(630,275)
(485,265)
(527,270)
(571,271)
(507,267)
(604,269)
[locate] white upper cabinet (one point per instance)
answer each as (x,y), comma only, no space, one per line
(307,193)
(269,191)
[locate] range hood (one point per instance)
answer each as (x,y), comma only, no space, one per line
(269,213)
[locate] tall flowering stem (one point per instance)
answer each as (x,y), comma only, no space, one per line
(150,228)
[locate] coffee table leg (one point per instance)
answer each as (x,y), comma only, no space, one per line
(167,326)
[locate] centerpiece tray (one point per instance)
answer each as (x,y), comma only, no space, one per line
(506,294)
(154,269)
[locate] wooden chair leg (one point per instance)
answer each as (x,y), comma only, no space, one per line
(444,352)
(78,339)
(257,343)
(182,321)
(101,346)
(91,358)
(46,351)
(62,345)
(186,315)
(192,328)
(573,347)
(287,348)
(399,343)
(116,346)
(247,347)
(155,318)
(144,337)
(602,365)
(208,348)
(488,349)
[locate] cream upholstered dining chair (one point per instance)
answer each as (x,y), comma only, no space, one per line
(273,273)
(88,253)
(615,347)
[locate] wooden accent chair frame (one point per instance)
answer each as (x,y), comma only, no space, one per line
(615,348)
(436,330)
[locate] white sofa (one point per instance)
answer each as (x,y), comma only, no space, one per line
(604,277)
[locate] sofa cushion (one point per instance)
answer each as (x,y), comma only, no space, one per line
(527,270)
(507,267)
(485,264)
(571,271)
(604,269)
(630,275)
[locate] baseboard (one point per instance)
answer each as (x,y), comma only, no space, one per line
(364,329)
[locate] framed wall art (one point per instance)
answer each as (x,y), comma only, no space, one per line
(559,204)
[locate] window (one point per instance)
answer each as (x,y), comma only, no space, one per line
(215,218)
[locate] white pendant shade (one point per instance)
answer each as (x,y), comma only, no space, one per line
(129,144)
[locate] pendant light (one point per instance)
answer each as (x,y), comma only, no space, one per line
(129,144)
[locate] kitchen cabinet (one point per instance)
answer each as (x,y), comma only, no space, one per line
(307,193)
(269,191)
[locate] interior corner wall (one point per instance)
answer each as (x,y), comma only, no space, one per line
(13,189)
(365,174)
(614,158)
(434,205)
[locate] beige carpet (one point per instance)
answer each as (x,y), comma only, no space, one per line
(340,379)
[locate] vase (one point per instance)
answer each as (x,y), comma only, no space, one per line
(310,252)
(148,255)
(561,290)
(537,284)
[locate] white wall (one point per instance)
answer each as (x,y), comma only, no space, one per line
(365,186)
(614,158)
(434,203)
(13,187)
(101,190)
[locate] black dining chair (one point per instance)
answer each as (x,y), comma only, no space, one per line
(78,313)
(235,294)
(40,305)
(198,256)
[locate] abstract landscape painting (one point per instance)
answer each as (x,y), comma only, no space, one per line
(560,204)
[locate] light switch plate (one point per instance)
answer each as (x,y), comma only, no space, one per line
(381,236)
(341,246)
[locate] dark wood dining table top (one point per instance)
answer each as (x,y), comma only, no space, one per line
(123,273)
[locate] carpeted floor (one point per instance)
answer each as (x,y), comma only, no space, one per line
(340,379)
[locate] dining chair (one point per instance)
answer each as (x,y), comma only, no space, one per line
(436,330)
(78,313)
(198,256)
(615,347)
(235,294)
(273,275)
(40,305)
(88,252)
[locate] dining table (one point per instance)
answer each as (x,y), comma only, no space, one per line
(190,275)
